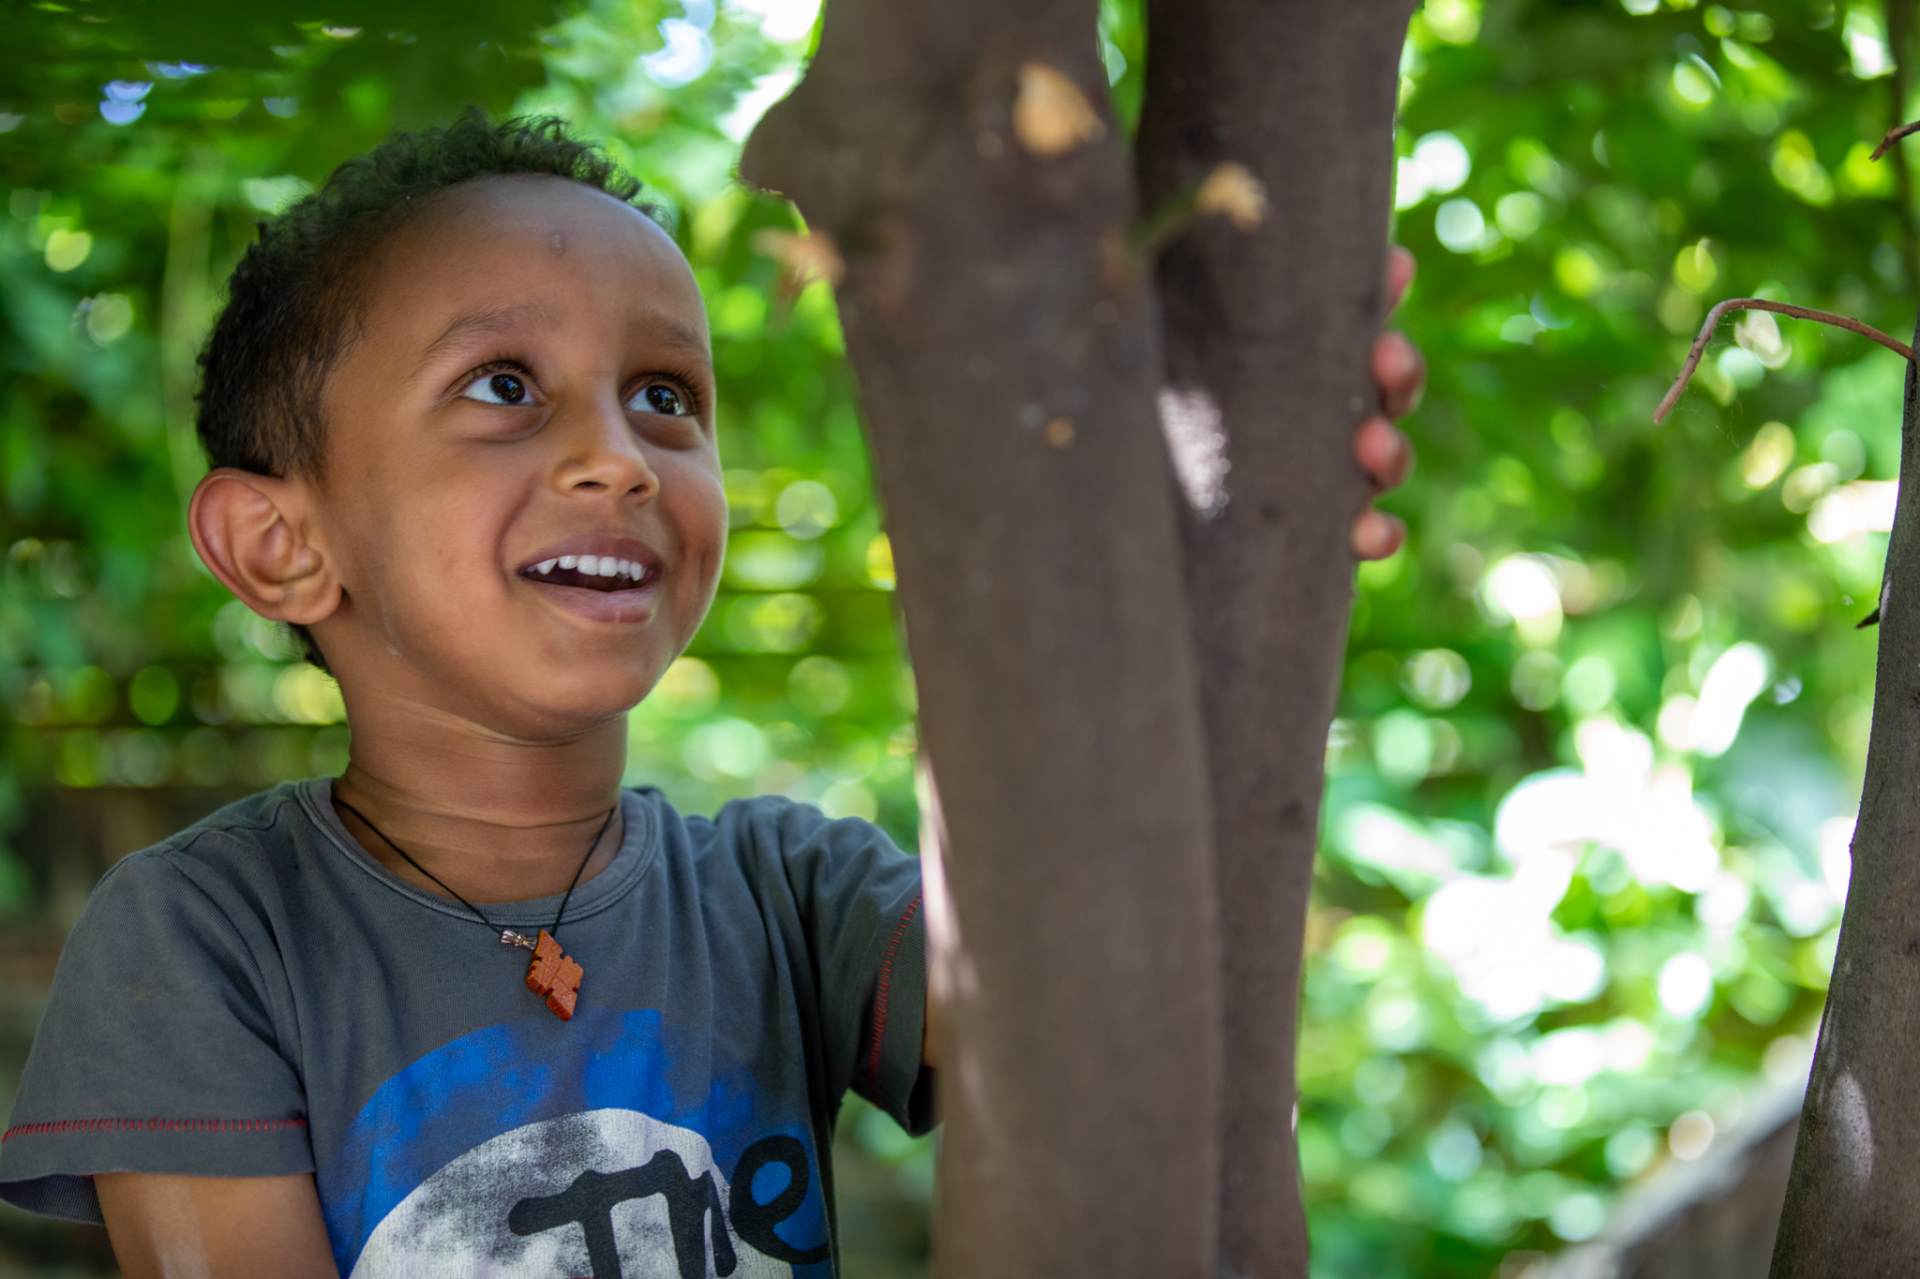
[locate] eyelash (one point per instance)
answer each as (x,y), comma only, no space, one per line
(696,403)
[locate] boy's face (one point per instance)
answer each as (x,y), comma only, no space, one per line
(531,370)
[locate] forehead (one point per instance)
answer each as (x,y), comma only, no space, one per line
(547,246)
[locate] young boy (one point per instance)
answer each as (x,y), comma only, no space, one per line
(460,412)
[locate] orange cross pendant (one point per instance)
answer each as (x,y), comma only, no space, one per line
(552,974)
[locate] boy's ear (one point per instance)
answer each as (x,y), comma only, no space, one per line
(251,531)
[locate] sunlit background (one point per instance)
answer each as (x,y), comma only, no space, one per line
(1599,748)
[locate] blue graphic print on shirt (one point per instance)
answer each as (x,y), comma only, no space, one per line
(497,1154)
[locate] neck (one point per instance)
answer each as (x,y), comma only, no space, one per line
(497,819)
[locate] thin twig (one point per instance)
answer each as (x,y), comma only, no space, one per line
(1153,231)
(1893,136)
(1783,308)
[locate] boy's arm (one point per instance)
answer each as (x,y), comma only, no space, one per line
(217,1227)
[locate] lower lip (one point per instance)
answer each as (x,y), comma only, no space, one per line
(632,605)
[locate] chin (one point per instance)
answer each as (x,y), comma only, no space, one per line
(564,704)
(592,694)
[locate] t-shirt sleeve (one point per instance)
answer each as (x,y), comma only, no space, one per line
(860,904)
(156,1053)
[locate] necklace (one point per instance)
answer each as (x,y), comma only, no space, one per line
(552,974)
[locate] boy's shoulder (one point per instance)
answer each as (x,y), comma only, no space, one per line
(778,827)
(261,844)
(748,818)
(227,842)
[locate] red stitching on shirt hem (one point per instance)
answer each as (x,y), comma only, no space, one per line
(885,988)
(150,1125)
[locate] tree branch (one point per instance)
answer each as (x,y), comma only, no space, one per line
(1783,308)
(1893,136)
(1848,1209)
(964,161)
(1266,316)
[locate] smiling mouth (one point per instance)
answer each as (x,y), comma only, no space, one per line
(605,574)
(599,590)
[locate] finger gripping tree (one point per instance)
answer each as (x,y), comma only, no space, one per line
(1109,388)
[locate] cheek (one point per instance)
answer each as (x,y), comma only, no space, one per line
(440,543)
(699,511)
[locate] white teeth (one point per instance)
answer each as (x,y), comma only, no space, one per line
(596,566)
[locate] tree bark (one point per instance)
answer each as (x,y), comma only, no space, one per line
(1007,365)
(1266,336)
(1856,1165)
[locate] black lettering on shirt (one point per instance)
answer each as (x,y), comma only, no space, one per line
(589,1202)
(754,1221)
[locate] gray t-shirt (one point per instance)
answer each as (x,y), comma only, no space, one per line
(256,995)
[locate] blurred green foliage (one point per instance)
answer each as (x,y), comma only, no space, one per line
(1604,722)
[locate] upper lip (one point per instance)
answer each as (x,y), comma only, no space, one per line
(619,545)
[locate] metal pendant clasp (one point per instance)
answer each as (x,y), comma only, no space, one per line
(510,938)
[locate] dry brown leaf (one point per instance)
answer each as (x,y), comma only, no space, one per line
(802,257)
(1234,193)
(1050,114)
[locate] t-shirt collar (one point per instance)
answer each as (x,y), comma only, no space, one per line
(590,897)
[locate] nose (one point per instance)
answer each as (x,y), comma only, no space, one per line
(602,454)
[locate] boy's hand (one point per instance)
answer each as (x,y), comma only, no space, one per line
(1383,451)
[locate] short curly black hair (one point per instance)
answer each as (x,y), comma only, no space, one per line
(293,302)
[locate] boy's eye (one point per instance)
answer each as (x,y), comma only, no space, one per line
(497,388)
(509,388)
(663,397)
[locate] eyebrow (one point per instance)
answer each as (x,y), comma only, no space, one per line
(477,324)
(504,319)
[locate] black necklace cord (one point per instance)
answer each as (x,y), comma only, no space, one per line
(554,931)
(577,870)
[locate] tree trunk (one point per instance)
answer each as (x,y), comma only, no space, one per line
(1266,334)
(1850,1207)
(1007,367)
(1009,351)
